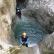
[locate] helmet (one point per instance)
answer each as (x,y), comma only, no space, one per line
(24,33)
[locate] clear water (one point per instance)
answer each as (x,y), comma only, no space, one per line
(31,27)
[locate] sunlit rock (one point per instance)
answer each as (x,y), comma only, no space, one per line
(48,41)
(7,13)
(47,45)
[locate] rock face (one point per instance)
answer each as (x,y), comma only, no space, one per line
(42,11)
(7,13)
(47,45)
(48,41)
(21,3)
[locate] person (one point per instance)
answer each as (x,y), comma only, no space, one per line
(18,12)
(24,40)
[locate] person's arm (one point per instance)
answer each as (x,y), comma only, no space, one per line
(28,41)
(21,41)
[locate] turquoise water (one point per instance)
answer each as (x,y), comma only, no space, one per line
(31,27)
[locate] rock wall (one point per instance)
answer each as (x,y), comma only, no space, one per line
(7,13)
(21,3)
(42,11)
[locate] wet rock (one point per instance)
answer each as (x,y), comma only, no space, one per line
(47,45)
(43,12)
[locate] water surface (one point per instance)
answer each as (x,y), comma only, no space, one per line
(31,27)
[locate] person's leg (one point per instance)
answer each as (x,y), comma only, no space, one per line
(26,45)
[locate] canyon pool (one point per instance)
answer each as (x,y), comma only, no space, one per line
(34,30)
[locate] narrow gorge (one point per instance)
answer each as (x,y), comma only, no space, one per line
(37,20)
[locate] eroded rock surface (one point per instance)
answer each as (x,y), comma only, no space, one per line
(42,11)
(7,13)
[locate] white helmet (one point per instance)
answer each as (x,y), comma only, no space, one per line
(24,33)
